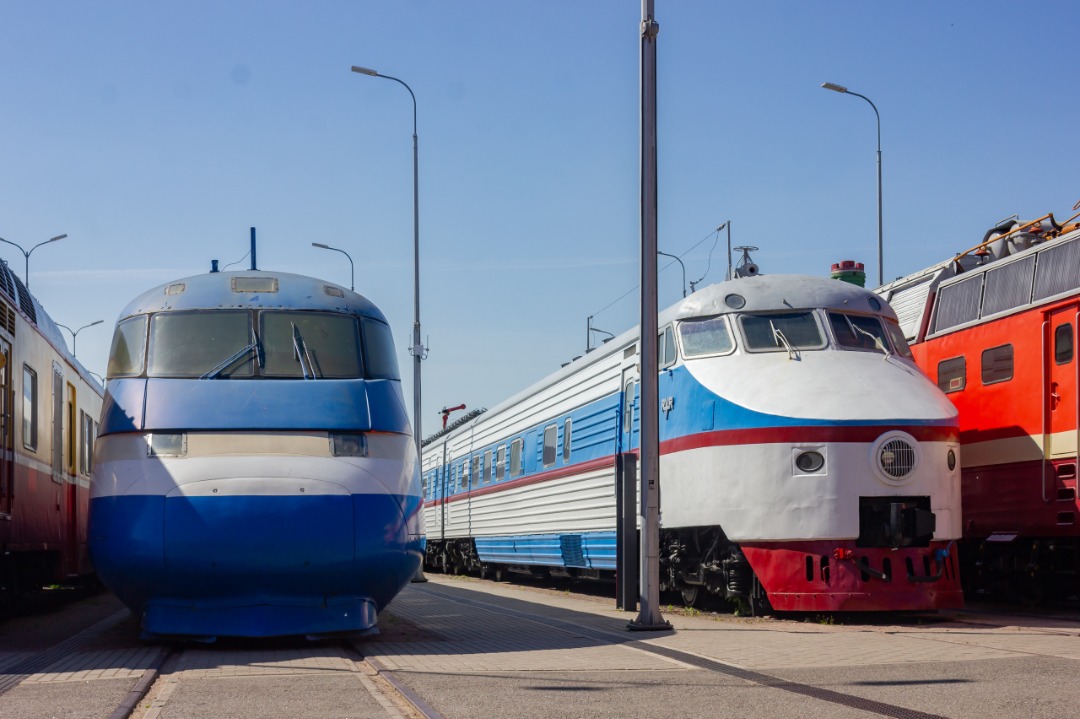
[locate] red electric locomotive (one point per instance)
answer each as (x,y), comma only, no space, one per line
(49,408)
(996,326)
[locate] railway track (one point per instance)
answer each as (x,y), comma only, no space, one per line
(104,670)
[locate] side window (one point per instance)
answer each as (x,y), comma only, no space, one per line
(516,468)
(665,348)
(550,436)
(628,406)
(997,364)
(30,408)
(951,374)
(500,463)
(485,473)
(1063,343)
(464,474)
(474,472)
(566,440)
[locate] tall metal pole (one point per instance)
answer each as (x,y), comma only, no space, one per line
(649,617)
(880,242)
(418,351)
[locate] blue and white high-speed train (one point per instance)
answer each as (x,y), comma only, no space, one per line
(805,461)
(256,473)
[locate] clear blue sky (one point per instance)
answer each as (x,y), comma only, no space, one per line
(155,135)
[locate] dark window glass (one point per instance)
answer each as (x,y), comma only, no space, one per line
(665,348)
(30,409)
(861,332)
(1063,343)
(197,344)
(515,458)
(500,464)
(566,440)
(128,348)
(768,332)
(309,344)
(899,342)
(997,364)
(550,436)
(485,472)
(379,351)
(474,471)
(951,374)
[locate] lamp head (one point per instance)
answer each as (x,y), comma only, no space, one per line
(58,237)
(364,71)
(319,244)
(834,87)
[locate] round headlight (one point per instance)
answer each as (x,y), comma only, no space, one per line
(809,461)
(951,460)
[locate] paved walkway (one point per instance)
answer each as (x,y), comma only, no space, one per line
(477,649)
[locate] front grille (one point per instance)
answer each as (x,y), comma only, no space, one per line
(896,458)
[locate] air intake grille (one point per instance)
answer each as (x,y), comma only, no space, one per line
(26,301)
(897,458)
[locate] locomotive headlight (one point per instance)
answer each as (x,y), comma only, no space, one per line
(950,460)
(809,461)
(348,444)
(160,444)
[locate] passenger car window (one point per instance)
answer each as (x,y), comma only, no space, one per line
(952,374)
(997,364)
(550,436)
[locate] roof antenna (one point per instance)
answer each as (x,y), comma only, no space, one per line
(253,265)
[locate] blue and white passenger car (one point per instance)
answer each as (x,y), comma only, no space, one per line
(805,461)
(256,470)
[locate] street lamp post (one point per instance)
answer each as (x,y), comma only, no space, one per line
(352,276)
(75,333)
(26,255)
(418,351)
(674,257)
(881,263)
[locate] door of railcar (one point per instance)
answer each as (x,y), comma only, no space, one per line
(1060,394)
(7,430)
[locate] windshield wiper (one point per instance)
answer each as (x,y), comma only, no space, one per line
(779,337)
(877,340)
(303,353)
(229,362)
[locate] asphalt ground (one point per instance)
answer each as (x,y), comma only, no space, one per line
(463,648)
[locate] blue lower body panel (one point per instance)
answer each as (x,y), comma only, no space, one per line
(254,566)
(590,550)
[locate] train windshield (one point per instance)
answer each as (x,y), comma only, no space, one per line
(211,345)
(781,331)
(864,332)
(310,344)
(702,337)
(128,348)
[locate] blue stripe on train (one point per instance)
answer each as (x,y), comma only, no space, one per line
(254,565)
(145,405)
(591,550)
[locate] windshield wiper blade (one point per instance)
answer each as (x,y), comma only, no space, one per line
(303,353)
(224,365)
(878,344)
(780,338)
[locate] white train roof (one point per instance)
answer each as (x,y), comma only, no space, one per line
(247,289)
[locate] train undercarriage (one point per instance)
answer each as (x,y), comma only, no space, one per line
(1028,569)
(697,565)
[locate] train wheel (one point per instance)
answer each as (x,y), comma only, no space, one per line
(691,595)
